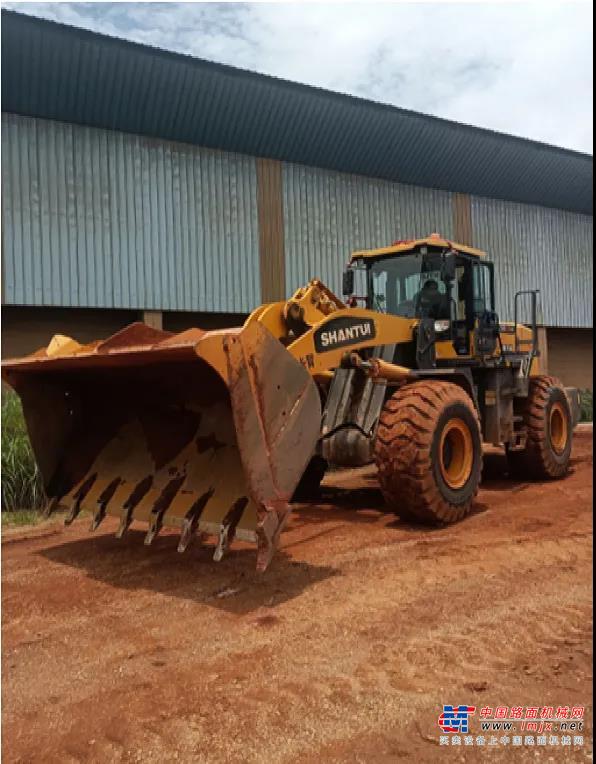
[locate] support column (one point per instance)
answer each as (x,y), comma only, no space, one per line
(462,219)
(271,230)
(153,318)
(543,348)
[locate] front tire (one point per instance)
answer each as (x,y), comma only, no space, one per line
(549,426)
(428,452)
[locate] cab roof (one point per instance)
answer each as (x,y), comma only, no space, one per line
(402,247)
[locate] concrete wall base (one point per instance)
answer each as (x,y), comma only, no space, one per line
(26,329)
(571,356)
(153,318)
(566,353)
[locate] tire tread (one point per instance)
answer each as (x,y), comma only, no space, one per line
(537,459)
(403,451)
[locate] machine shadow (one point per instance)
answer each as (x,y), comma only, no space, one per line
(232,585)
(496,476)
(365,503)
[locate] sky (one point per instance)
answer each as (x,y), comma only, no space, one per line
(520,68)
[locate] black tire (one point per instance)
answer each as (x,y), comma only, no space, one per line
(428,452)
(548,421)
(310,483)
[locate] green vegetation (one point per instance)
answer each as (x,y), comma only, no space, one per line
(21,517)
(586,405)
(21,481)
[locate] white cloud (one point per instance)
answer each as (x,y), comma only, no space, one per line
(524,68)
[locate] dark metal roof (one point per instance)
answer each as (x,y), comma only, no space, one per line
(64,73)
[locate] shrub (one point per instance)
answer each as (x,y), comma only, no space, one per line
(586,398)
(21,480)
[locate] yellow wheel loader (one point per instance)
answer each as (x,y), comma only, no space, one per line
(219,432)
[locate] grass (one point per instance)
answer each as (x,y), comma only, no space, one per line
(18,517)
(22,489)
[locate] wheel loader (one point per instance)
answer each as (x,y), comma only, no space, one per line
(218,433)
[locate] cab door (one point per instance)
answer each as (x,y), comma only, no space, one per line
(485,320)
(461,305)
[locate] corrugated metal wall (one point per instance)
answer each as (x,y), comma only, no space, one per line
(330,214)
(539,248)
(96,218)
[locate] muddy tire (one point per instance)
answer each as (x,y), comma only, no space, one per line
(428,452)
(547,417)
(309,487)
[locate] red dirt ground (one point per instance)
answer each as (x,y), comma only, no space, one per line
(345,650)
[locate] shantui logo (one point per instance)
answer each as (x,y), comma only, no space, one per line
(343,331)
(350,333)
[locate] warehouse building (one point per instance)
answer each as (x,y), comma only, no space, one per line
(143,184)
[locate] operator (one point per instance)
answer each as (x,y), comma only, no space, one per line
(430,303)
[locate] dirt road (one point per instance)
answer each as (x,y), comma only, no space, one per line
(345,650)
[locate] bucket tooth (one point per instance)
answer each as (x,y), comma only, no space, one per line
(74,511)
(135,497)
(227,529)
(160,507)
(154,529)
(78,498)
(191,520)
(102,503)
(189,529)
(125,521)
(51,507)
(98,516)
(268,532)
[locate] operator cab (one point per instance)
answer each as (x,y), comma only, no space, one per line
(435,280)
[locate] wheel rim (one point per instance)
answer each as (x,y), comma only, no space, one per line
(558,428)
(456,453)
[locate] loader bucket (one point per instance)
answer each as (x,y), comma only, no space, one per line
(208,432)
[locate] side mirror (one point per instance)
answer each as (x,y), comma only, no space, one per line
(448,268)
(347,284)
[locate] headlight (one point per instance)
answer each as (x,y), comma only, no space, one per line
(442,326)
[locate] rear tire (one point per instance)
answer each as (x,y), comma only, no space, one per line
(428,452)
(549,425)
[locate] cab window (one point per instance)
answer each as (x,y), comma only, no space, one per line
(458,293)
(482,289)
(409,286)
